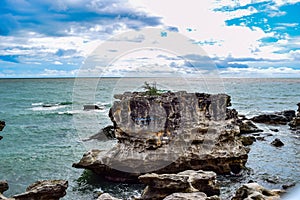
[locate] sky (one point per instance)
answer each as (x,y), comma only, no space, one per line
(56,38)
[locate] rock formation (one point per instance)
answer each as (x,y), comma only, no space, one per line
(91,107)
(42,190)
(169,133)
(161,185)
(247,126)
(190,196)
(277,143)
(255,191)
(295,123)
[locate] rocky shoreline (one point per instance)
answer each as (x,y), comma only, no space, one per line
(209,135)
(176,144)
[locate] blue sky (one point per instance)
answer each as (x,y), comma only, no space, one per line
(247,38)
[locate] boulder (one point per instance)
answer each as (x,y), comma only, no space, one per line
(3,186)
(161,185)
(190,196)
(295,122)
(255,191)
(2,125)
(277,143)
(247,126)
(47,189)
(289,114)
(106,196)
(271,119)
(106,133)
(169,133)
(91,107)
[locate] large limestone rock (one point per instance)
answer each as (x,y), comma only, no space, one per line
(44,190)
(169,133)
(255,191)
(161,185)
(190,196)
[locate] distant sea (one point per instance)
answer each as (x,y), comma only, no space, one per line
(46,126)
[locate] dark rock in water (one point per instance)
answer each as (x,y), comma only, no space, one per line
(247,140)
(1,137)
(107,196)
(91,107)
(255,191)
(2,125)
(289,114)
(247,126)
(3,186)
(288,185)
(106,133)
(42,190)
(277,143)
(260,138)
(161,185)
(271,119)
(169,133)
(274,129)
(190,196)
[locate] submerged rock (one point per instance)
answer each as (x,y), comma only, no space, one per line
(170,133)
(255,191)
(247,140)
(190,196)
(42,190)
(3,186)
(277,143)
(161,185)
(270,119)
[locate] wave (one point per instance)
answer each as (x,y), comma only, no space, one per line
(46,107)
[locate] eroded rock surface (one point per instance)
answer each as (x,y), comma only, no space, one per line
(42,190)
(190,196)
(252,191)
(161,185)
(170,133)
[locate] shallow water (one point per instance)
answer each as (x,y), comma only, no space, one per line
(45,125)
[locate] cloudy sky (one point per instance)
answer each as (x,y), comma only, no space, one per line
(53,38)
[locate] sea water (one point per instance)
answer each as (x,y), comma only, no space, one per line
(46,126)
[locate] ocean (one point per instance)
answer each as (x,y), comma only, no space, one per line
(46,127)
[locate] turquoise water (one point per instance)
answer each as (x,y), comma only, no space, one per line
(45,125)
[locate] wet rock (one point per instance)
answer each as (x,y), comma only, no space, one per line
(2,125)
(42,190)
(190,196)
(274,129)
(271,119)
(260,138)
(161,185)
(247,126)
(288,185)
(289,114)
(255,191)
(247,140)
(107,196)
(3,186)
(170,133)
(91,107)
(277,143)
(1,137)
